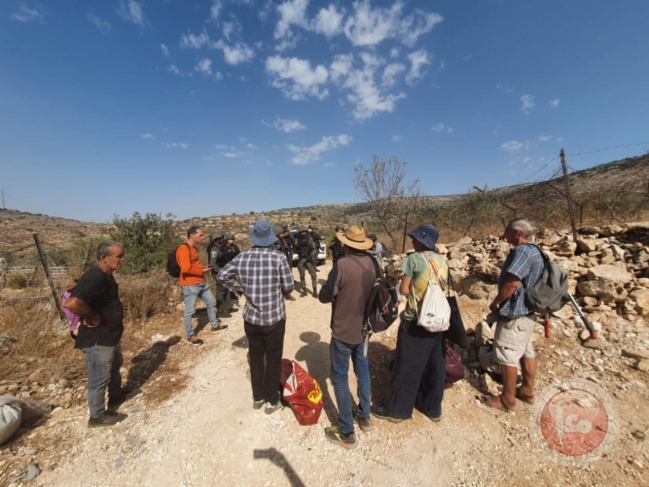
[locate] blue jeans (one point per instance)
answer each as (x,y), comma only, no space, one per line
(340,355)
(103,365)
(203,292)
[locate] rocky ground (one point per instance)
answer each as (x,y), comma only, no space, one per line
(191,422)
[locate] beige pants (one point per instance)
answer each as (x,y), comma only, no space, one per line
(513,340)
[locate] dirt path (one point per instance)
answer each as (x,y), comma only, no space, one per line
(208,434)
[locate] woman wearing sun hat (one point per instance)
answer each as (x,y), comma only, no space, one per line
(419,371)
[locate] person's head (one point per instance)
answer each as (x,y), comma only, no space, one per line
(314,229)
(195,235)
(303,230)
(229,237)
(372,237)
(424,237)
(262,234)
(519,231)
(340,229)
(110,256)
(355,240)
(217,235)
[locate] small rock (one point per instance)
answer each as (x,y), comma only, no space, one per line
(642,365)
(639,435)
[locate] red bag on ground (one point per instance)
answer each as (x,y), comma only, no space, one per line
(302,392)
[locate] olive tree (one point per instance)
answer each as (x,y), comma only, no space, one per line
(390,198)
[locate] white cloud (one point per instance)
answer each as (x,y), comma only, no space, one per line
(237,54)
(191,41)
(218,76)
(307,155)
(132,12)
(397,138)
(527,103)
(176,145)
(215,10)
(287,125)
(394,52)
(504,87)
(440,128)
(172,68)
(164,49)
(26,14)
(411,29)
(229,29)
(291,12)
(390,73)
(204,66)
(295,78)
(147,136)
(341,66)
(232,155)
(545,138)
(328,21)
(554,103)
(101,24)
(418,59)
(514,146)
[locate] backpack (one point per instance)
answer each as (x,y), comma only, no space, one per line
(550,292)
(74,319)
(381,307)
(435,314)
(172,263)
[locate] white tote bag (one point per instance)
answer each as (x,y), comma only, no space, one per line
(435,314)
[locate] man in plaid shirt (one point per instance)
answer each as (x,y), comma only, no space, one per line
(513,337)
(263,275)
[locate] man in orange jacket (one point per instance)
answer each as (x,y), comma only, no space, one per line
(192,282)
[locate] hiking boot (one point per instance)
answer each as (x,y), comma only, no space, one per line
(219,329)
(381,413)
(108,418)
(303,293)
(257,404)
(271,408)
(315,292)
(194,340)
(335,436)
(365,424)
(289,297)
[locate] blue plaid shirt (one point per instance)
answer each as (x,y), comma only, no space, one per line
(262,274)
(525,262)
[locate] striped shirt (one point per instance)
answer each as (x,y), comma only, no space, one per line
(264,276)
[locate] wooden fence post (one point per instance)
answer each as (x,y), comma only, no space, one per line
(49,276)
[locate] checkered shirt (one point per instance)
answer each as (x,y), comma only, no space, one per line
(263,275)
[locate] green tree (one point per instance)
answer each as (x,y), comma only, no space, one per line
(147,240)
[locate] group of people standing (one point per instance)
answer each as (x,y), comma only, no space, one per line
(262,276)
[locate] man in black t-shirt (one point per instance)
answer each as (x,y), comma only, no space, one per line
(95,299)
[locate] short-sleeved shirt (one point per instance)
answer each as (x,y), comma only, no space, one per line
(525,262)
(416,267)
(100,291)
(264,276)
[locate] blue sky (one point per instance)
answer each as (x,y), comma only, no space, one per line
(200,108)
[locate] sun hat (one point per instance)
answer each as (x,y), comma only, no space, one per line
(372,237)
(426,234)
(355,238)
(216,234)
(262,234)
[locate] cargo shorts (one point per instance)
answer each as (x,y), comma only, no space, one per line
(513,340)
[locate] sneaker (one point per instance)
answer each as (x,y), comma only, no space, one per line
(335,436)
(257,404)
(219,329)
(271,408)
(365,424)
(381,413)
(194,340)
(108,418)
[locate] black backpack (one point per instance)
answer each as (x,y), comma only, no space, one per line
(550,292)
(172,264)
(381,308)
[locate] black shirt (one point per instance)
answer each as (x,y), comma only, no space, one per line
(99,291)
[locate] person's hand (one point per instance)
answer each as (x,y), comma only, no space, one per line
(494,308)
(207,269)
(92,322)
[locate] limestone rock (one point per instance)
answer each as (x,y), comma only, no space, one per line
(604,290)
(565,247)
(610,273)
(641,298)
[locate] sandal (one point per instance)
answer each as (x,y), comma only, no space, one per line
(490,401)
(524,397)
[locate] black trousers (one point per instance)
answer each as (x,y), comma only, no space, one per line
(419,373)
(265,342)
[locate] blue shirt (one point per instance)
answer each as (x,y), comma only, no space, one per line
(262,274)
(526,263)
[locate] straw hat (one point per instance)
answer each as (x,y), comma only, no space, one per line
(355,238)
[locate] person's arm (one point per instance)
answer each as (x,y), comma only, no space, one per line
(183,256)
(506,291)
(285,276)
(91,317)
(404,289)
(227,277)
(326,294)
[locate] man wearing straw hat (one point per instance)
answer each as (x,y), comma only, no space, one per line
(348,288)
(263,276)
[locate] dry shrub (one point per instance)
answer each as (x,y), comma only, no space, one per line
(37,343)
(144,295)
